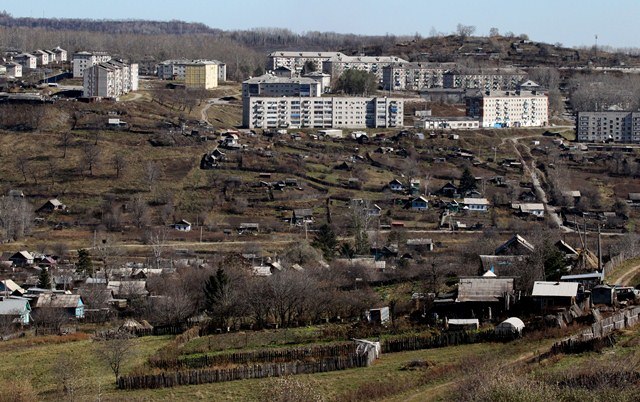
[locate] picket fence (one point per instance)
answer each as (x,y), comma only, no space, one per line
(206,376)
(258,356)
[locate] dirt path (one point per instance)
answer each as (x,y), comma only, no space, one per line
(625,278)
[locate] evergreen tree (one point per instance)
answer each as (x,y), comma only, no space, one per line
(217,297)
(326,241)
(84,264)
(467,181)
(554,262)
(44,279)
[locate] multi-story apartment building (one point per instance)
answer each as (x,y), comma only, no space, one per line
(336,65)
(84,60)
(201,75)
(60,55)
(271,85)
(110,79)
(494,79)
(608,126)
(176,69)
(26,60)
(295,61)
(42,57)
(414,76)
(13,70)
(509,108)
(322,112)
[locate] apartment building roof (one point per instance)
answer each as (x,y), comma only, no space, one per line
(367,59)
(513,94)
(306,54)
(272,79)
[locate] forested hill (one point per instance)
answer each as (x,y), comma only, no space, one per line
(108,26)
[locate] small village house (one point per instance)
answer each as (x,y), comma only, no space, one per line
(378,315)
(550,296)
(419,204)
(396,185)
(22,259)
(52,205)
(182,226)
(476,204)
(71,305)
(302,216)
(17,309)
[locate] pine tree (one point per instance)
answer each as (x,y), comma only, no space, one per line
(467,181)
(326,241)
(84,264)
(44,279)
(217,297)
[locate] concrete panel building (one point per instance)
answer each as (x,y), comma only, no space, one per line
(110,79)
(509,108)
(84,60)
(201,74)
(26,60)
(13,70)
(414,76)
(295,61)
(336,65)
(608,126)
(493,79)
(271,85)
(176,69)
(322,112)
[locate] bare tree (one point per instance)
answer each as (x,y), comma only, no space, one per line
(152,173)
(115,350)
(493,32)
(22,163)
(90,156)
(120,164)
(140,212)
(465,30)
(66,138)
(157,240)
(69,374)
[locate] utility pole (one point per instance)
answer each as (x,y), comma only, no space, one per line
(600,267)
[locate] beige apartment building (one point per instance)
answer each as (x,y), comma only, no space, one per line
(201,75)
(414,76)
(83,60)
(509,108)
(110,79)
(295,61)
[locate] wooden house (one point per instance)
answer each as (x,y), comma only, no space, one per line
(449,190)
(22,259)
(302,216)
(52,205)
(396,185)
(516,245)
(182,225)
(17,309)
(551,296)
(71,305)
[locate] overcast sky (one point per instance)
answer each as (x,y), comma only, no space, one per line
(570,22)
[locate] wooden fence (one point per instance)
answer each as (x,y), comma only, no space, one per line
(418,342)
(598,334)
(258,356)
(206,376)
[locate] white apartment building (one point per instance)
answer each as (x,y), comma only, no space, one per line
(509,109)
(110,79)
(84,60)
(26,60)
(414,76)
(295,61)
(322,112)
(176,69)
(336,65)
(42,57)
(60,55)
(271,85)
(13,70)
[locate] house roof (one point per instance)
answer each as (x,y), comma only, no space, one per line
(55,300)
(302,212)
(11,286)
(565,247)
(421,198)
(419,242)
(499,263)
(463,321)
(483,289)
(531,207)
(14,306)
(591,275)
(23,254)
(555,289)
(517,241)
(128,288)
(475,201)
(183,222)
(634,196)
(572,193)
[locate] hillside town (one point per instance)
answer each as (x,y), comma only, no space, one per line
(318,213)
